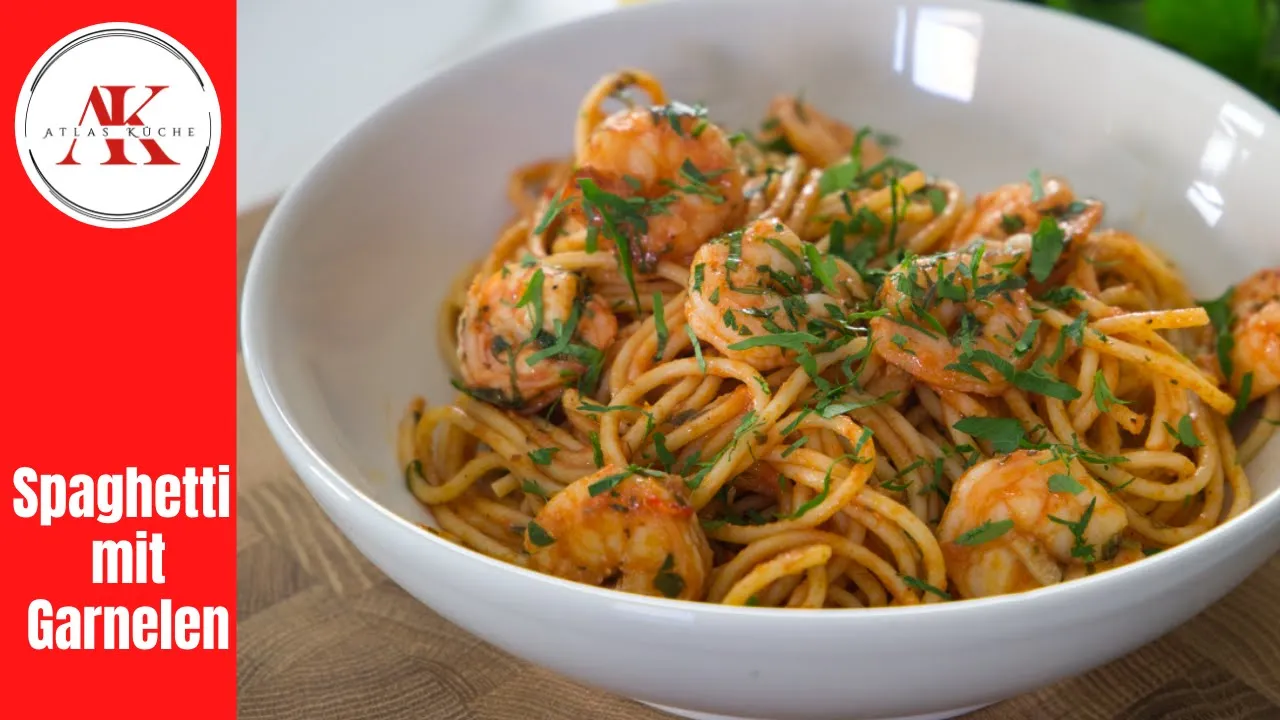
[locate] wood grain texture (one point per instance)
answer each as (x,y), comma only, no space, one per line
(322,634)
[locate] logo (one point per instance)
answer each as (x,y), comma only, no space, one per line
(118,125)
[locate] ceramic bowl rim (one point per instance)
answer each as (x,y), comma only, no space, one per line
(280,421)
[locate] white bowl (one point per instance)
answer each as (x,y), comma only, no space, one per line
(341,298)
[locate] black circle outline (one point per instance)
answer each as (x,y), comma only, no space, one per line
(98,214)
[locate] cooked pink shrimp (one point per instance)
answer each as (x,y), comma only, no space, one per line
(731,299)
(1022,521)
(1256,307)
(1009,209)
(634,532)
(676,169)
(983,308)
(820,138)
(521,314)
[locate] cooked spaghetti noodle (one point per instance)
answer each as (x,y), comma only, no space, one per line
(788,369)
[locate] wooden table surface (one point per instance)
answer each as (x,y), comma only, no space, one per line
(323,634)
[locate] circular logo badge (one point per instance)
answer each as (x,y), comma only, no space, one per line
(118,125)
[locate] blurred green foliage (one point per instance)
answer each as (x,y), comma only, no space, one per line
(1238,38)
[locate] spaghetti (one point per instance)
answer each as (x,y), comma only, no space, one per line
(789,369)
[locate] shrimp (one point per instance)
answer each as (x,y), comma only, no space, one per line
(665,176)
(1010,209)
(973,304)
(1255,305)
(1014,524)
(628,529)
(511,326)
(756,283)
(821,139)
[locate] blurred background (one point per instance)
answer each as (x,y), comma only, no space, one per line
(311,69)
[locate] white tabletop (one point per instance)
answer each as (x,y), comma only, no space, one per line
(309,70)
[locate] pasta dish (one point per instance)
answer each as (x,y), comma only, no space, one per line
(787,368)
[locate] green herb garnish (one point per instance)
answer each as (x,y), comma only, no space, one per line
(1081,550)
(543,456)
(1059,482)
(984,533)
(1004,434)
(660,325)
(1046,247)
(697,348)
(921,586)
(1222,318)
(1185,432)
(665,456)
(532,297)
(667,582)
(791,340)
(608,482)
(538,535)
(1242,399)
(597,455)
(1102,395)
(534,488)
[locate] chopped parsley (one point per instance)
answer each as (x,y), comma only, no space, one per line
(413,469)
(538,535)
(1037,185)
(921,586)
(822,266)
(693,482)
(1039,380)
(821,497)
(543,456)
(553,211)
(674,111)
(1242,399)
(620,219)
(1222,318)
(839,177)
(1011,223)
(984,533)
(608,482)
(664,455)
(937,200)
(1027,339)
(791,340)
(1004,434)
(532,297)
(660,325)
(666,582)
(1046,248)
(534,488)
(734,258)
(697,348)
(1080,550)
(1102,395)
(597,455)
(1185,432)
(587,406)
(1061,295)
(795,446)
(1063,483)
(835,409)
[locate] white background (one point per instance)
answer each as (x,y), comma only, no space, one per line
(309,70)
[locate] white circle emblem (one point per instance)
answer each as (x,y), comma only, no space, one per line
(118,125)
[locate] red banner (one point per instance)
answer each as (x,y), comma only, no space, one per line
(117,460)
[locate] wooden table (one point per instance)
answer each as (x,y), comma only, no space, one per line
(324,635)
